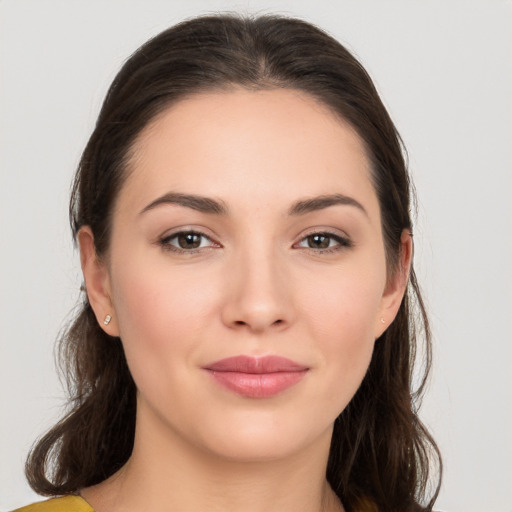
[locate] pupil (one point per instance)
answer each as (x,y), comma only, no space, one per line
(189,241)
(319,241)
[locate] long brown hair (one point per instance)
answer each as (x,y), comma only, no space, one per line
(380,450)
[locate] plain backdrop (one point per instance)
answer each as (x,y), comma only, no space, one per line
(444,69)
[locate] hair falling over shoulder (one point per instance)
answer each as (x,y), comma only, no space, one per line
(380,451)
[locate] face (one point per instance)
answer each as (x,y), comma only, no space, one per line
(246,274)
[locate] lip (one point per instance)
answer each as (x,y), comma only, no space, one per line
(256,377)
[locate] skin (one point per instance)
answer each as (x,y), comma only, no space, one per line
(255,286)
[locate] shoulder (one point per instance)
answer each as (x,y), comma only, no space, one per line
(64,504)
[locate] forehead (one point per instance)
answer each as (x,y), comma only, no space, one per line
(249,147)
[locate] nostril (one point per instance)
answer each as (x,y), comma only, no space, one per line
(241,322)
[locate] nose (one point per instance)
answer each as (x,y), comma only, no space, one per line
(258,294)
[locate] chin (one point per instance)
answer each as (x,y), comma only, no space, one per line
(267,438)
(262,448)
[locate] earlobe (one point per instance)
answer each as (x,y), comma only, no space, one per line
(97,282)
(396,286)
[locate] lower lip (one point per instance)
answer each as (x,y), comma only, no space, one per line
(258,385)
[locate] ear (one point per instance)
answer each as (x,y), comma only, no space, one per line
(97,282)
(396,286)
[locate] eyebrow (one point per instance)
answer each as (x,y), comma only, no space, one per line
(217,207)
(320,202)
(199,203)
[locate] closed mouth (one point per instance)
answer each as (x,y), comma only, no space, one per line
(257,377)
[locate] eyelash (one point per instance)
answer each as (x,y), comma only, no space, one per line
(166,245)
(343,242)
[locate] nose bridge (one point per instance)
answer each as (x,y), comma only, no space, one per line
(257,297)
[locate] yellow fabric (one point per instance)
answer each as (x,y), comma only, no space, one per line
(64,504)
(78,504)
(365,505)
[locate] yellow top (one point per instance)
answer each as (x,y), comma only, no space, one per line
(78,504)
(64,504)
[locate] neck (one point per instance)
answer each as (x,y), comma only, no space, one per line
(165,473)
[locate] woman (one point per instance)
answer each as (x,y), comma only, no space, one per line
(248,331)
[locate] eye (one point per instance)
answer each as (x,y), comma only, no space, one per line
(325,242)
(187,241)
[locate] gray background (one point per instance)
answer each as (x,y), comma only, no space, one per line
(444,69)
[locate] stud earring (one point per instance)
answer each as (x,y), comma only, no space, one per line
(107,319)
(382,320)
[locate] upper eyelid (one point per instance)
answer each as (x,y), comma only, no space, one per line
(177,231)
(181,231)
(309,232)
(326,231)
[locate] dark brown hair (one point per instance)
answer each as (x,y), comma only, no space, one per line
(380,450)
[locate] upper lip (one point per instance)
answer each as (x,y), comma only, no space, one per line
(257,365)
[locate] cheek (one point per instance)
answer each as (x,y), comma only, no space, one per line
(163,315)
(343,303)
(161,310)
(339,314)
